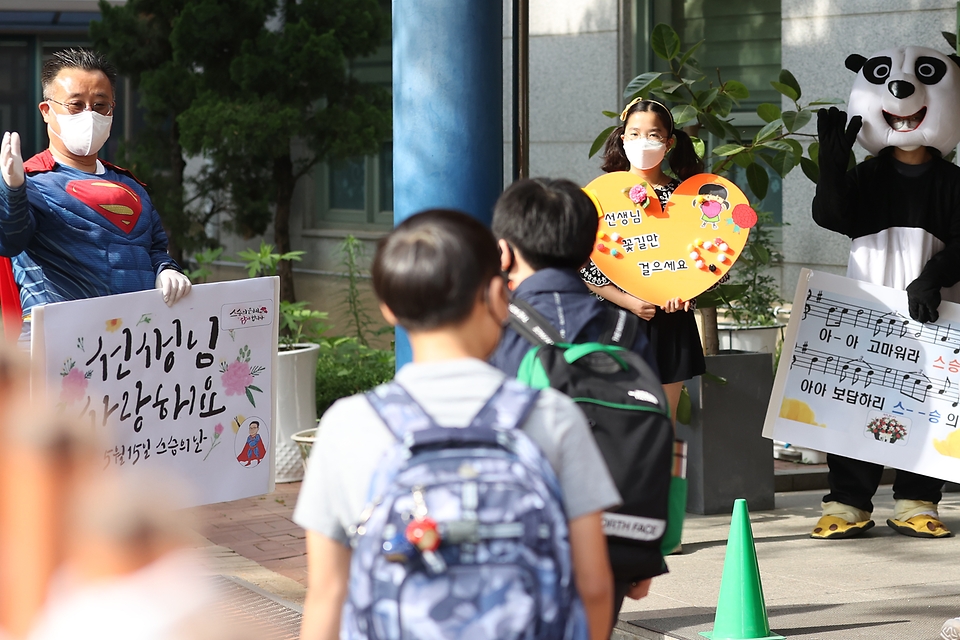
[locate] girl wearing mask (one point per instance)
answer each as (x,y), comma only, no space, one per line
(638,145)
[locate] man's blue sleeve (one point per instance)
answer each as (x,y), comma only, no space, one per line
(159,257)
(17,223)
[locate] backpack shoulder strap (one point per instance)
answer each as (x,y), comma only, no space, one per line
(621,328)
(398,410)
(508,407)
(531,324)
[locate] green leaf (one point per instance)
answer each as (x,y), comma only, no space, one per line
(712,123)
(782,163)
(758,180)
(255,388)
(795,120)
(770,130)
(698,146)
(722,294)
(730,130)
(736,90)
(640,83)
(768,112)
(951,39)
(810,169)
(250,397)
(814,152)
(787,78)
(779,145)
(786,90)
(704,98)
(683,113)
(743,159)
(601,139)
(669,85)
(665,41)
(611,114)
(723,105)
(796,147)
(712,377)
(825,101)
(760,253)
(684,407)
(728,149)
(688,56)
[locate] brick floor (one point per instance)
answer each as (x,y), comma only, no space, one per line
(260,529)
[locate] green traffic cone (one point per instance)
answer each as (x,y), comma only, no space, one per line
(741,612)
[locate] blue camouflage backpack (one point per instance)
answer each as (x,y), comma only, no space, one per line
(465,535)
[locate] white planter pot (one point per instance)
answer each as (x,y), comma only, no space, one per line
(296,405)
(749,339)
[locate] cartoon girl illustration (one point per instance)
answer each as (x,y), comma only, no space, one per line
(711,201)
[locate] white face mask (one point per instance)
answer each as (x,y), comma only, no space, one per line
(643,153)
(84,133)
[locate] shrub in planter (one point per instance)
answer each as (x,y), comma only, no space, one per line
(347,367)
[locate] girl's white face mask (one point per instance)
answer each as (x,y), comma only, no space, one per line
(84,133)
(643,153)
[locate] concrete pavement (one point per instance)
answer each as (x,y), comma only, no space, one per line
(880,586)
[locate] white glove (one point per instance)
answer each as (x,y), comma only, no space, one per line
(173,284)
(11,163)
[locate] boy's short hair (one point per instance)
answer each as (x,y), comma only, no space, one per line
(430,270)
(552,223)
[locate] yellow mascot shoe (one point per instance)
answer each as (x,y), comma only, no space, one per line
(921,526)
(835,528)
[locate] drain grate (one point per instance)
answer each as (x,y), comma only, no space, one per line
(245,606)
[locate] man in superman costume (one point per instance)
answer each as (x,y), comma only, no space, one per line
(74,226)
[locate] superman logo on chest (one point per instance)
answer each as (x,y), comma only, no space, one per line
(119,204)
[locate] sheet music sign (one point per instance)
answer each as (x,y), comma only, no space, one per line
(188,389)
(859,378)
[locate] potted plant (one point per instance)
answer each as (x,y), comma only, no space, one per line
(300,331)
(725,408)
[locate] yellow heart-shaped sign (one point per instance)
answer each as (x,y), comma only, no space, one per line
(678,251)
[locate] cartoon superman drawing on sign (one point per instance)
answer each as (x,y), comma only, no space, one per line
(75,226)
(254,450)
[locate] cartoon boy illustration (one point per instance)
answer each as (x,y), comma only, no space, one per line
(712,200)
(253,450)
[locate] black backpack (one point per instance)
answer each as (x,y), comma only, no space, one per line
(630,420)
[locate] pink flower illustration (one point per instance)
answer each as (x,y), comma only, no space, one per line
(217,430)
(237,378)
(73,386)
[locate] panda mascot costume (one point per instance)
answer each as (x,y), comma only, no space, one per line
(901,208)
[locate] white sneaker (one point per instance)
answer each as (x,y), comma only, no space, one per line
(951,629)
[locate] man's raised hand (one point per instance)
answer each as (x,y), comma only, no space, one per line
(11,162)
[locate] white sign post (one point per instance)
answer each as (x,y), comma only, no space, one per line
(188,389)
(859,378)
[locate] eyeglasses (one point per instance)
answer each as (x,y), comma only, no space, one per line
(653,136)
(77,106)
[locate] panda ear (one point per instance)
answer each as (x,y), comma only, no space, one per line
(955,58)
(854,62)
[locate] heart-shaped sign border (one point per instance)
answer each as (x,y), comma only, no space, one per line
(678,251)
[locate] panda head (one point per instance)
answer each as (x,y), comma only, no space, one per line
(908,97)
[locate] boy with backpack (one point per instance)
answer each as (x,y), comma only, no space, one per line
(453,502)
(546,230)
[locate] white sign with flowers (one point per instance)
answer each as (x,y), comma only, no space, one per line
(858,377)
(168,386)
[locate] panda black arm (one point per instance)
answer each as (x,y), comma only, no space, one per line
(835,204)
(942,270)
